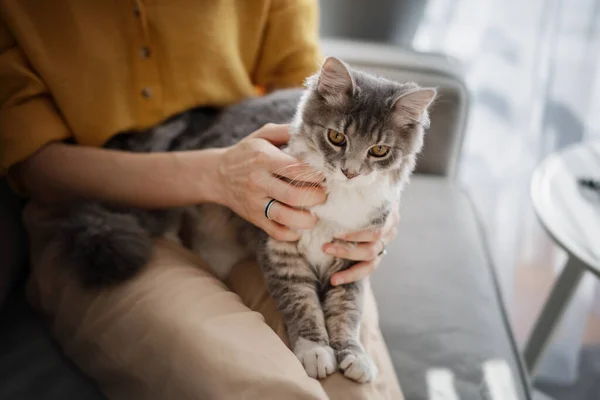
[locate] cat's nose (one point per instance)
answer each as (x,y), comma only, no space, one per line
(349,173)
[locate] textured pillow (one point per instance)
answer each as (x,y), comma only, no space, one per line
(13,241)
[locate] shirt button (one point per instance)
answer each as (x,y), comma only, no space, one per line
(136,10)
(144,52)
(147,93)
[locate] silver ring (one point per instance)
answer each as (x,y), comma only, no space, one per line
(269,204)
(383,251)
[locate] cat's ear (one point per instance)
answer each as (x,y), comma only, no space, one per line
(335,80)
(413,105)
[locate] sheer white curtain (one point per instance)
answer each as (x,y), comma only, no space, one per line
(534,70)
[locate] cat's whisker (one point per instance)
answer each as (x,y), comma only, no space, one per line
(307,192)
(279,171)
(307,175)
(297,179)
(312,189)
(308,170)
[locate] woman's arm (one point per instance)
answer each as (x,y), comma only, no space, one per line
(60,173)
(286,60)
(241,177)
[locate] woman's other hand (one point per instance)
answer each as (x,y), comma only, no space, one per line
(366,247)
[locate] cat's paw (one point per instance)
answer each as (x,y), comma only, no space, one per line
(359,367)
(318,360)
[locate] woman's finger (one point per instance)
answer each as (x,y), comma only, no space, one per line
(279,232)
(354,273)
(290,168)
(360,252)
(276,134)
(295,196)
(278,162)
(395,217)
(369,235)
(291,217)
(284,165)
(391,235)
(300,174)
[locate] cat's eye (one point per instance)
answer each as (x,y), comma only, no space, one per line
(336,138)
(379,150)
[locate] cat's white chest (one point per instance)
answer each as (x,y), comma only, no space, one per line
(347,209)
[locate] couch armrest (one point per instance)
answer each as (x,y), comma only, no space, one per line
(448,115)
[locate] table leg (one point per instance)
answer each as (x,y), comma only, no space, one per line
(552,311)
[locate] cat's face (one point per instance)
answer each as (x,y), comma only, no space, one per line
(355,126)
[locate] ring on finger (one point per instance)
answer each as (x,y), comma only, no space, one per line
(268,207)
(383,251)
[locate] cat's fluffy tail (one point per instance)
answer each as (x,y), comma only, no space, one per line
(106,247)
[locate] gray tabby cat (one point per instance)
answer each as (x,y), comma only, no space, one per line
(362,132)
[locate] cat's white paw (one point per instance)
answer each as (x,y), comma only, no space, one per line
(359,368)
(318,360)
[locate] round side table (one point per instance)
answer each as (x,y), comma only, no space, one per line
(570,213)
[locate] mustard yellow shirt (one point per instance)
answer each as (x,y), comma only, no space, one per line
(88,69)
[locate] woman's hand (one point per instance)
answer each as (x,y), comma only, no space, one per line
(370,244)
(249,175)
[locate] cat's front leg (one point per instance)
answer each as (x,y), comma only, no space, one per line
(293,286)
(343,308)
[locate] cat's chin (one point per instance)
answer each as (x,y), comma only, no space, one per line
(342,181)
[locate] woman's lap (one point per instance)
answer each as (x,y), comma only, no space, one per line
(176,332)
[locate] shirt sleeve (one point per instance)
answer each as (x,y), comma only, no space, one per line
(29,118)
(290,50)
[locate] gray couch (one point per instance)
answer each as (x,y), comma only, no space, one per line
(439,302)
